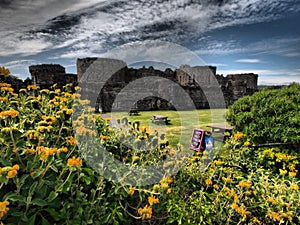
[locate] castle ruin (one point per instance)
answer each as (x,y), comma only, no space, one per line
(123,88)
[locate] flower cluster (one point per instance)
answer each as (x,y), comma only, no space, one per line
(145,212)
(3,208)
(240,210)
(11,171)
(75,162)
(237,136)
(12,113)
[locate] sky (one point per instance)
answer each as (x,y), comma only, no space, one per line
(237,36)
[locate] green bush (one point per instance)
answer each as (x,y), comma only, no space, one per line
(268,115)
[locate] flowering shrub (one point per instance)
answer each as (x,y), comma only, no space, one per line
(45,179)
(43,176)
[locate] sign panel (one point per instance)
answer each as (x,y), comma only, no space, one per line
(209,143)
(197,139)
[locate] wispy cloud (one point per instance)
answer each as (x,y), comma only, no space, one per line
(17,64)
(249,60)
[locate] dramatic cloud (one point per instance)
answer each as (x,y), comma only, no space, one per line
(41,25)
(64,30)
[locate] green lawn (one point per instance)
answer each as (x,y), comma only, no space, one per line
(182,122)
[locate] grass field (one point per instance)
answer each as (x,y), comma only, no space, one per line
(182,122)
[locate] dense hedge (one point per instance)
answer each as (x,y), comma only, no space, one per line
(268,115)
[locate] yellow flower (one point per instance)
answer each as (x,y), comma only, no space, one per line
(172,152)
(5,85)
(245,184)
(292,174)
(103,137)
(275,216)
(135,158)
(64,149)
(12,173)
(4,99)
(16,167)
(216,186)
(226,179)
(3,208)
(255,220)
(247,143)
(75,162)
(153,200)
(294,187)
(32,87)
(8,89)
(272,200)
(131,190)
(69,111)
(208,181)
(169,191)
(238,136)
(218,162)
(282,172)
(145,212)
(10,113)
(71,140)
(235,206)
(240,210)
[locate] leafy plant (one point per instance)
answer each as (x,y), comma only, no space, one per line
(268,115)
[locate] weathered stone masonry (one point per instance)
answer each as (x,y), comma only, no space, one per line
(146,88)
(46,75)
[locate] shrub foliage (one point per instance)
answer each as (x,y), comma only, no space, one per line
(268,115)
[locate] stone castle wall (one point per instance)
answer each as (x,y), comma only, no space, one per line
(201,83)
(123,88)
(46,75)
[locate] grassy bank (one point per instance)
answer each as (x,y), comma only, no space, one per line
(182,122)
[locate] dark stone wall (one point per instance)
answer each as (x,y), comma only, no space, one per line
(123,88)
(201,83)
(46,75)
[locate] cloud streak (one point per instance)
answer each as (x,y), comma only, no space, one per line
(249,60)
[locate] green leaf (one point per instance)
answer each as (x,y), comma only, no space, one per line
(37,173)
(39,202)
(54,168)
(14,197)
(32,188)
(31,221)
(52,196)
(45,222)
